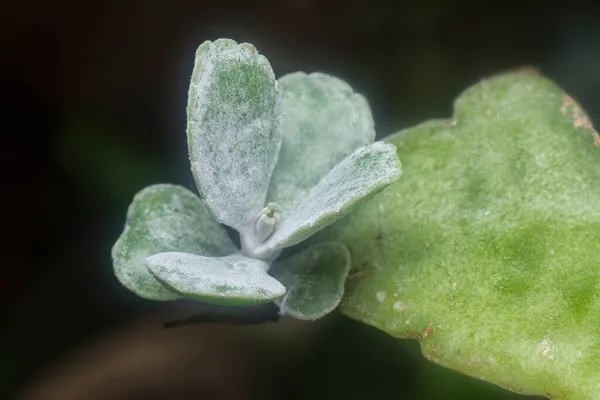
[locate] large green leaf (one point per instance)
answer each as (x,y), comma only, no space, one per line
(234,113)
(488,249)
(324,122)
(164,218)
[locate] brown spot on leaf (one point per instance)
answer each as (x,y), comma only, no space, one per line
(415,334)
(528,70)
(427,332)
(450,122)
(435,349)
(573,110)
(356,274)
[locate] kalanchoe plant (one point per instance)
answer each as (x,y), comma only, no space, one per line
(275,160)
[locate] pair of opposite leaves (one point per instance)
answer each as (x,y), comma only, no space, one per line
(304,144)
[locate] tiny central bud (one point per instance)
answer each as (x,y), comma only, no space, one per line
(266,221)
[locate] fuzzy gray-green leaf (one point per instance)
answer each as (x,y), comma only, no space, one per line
(164,218)
(234,116)
(324,122)
(356,179)
(314,280)
(232,280)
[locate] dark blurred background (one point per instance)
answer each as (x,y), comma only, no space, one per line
(92,107)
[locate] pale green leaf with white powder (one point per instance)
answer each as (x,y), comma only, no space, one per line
(356,179)
(324,122)
(232,280)
(314,280)
(164,218)
(234,116)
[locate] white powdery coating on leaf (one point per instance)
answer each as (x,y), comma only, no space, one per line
(314,279)
(324,122)
(232,279)
(359,177)
(234,115)
(164,218)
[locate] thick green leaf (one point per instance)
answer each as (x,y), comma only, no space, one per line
(487,250)
(234,116)
(232,280)
(324,122)
(164,218)
(314,280)
(356,179)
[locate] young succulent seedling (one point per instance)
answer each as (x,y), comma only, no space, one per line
(277,160)
(486,253)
